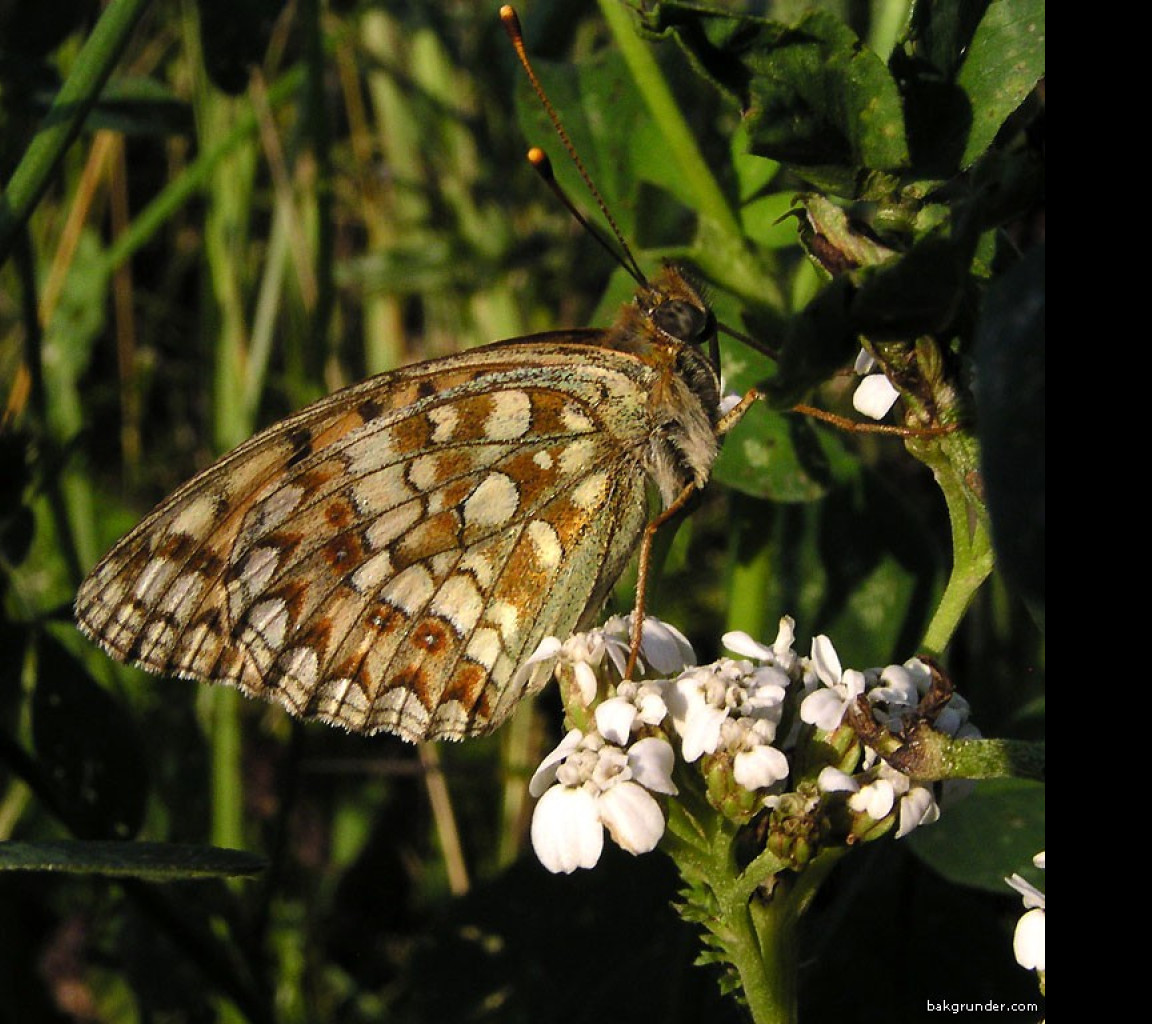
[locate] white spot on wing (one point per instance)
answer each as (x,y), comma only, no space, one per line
(373,572)
(511,416)
(506,616)
(197,514)
(485,647)
(459,602)
(371,452)
(576,419)
(410,590)
(546,543)
(577,457)
(279,505)
(444,419)
(493,502)
(270,620)
(589,494)
(154,576)
(392,524)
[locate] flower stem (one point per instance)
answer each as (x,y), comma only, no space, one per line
(747,929)
(972,555)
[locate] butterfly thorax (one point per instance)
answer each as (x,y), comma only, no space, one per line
(667,326)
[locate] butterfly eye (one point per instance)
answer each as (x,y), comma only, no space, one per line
(681,320)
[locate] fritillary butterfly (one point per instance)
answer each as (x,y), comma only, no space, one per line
(386,558)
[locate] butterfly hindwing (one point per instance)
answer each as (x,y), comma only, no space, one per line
(386,558)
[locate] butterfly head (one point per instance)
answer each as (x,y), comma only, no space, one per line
(675,307)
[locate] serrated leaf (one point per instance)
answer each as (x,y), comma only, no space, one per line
(812,94)
(156,862)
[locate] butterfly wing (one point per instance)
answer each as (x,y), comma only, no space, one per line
(385,559)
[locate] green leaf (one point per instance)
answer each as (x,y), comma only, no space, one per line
(813,96)
(156,862)
(966,66)
(980,839)
(1003,65)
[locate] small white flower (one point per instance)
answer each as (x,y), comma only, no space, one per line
(589,784)
(874,799)
(760,767)
(663,648)
(825,707)
(833,780)
(614,718)
(566,830)
(875,396)
(1028,940)
(918,807)
(887,789)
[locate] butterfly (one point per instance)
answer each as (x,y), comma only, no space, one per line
(386,558)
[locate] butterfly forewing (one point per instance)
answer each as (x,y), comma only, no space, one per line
(387,558)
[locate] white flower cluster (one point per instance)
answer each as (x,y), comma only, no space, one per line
(735,708)
(893,692)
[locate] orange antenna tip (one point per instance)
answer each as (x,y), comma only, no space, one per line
(539,160)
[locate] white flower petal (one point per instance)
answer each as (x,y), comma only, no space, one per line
(1028,941)
(700,733)
(614,718)
(651,760)
(785,635)
(1033,897)
(545,775)
(742,644)
(651,707)
(823,709)
(566,830)
(826,660)
(875,799)
(760,767)
(853,682)
(833,780)
(632,817)
(585,677)
(875,396)
(917,807)
(665,648)
(865,362)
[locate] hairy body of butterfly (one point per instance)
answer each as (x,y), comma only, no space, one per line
(386,558)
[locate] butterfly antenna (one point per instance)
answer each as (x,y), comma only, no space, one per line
(543,165)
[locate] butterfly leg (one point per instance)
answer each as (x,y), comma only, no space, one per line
(725,423)
(736,413)
(677,506)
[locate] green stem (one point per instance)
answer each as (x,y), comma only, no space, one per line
(94,64)
(754,936)
(972,555)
